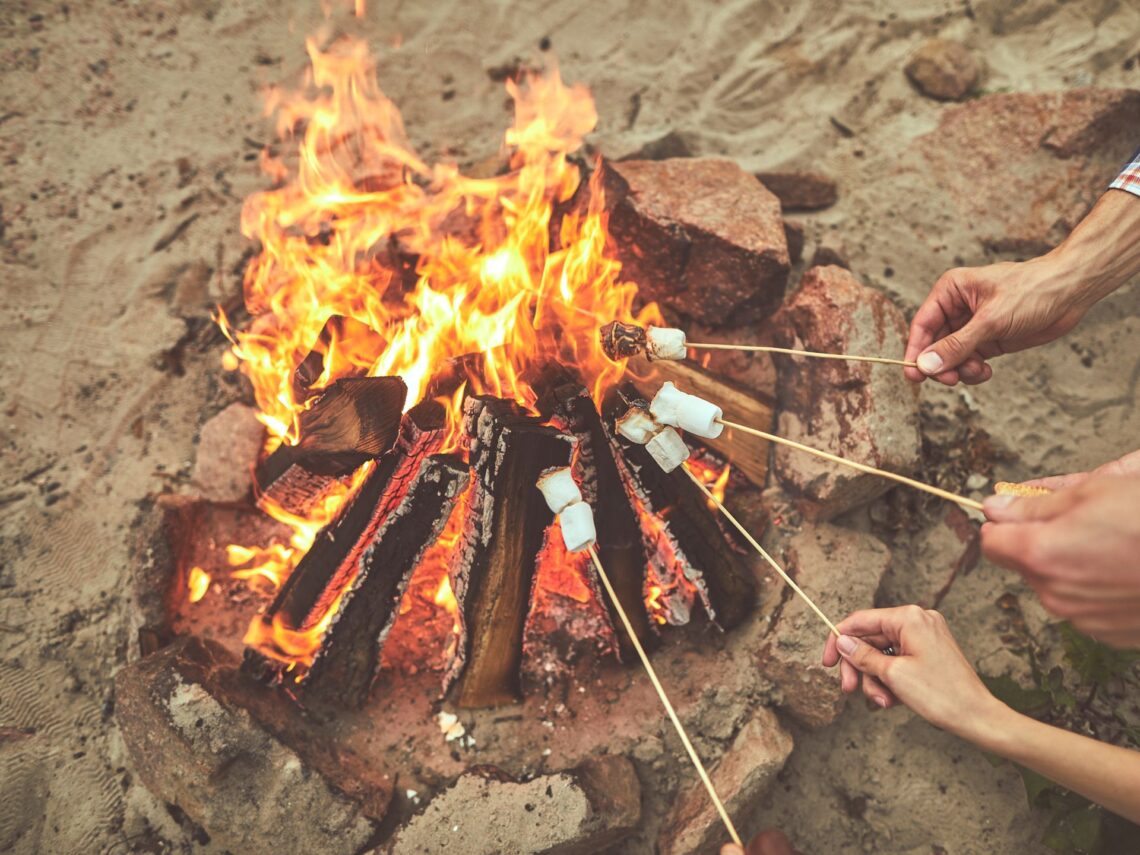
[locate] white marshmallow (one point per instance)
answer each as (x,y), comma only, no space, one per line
(559,488)
(637,426)
(665,343)
(577,522)
(673,407)
(668,449)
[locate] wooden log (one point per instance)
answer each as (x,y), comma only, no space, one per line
(726,586)
(620,545)
(340,333)
(503,534)
(332,562)
(412,518)
(354,420)
(748,454)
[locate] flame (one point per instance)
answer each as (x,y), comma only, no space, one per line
(198,582)
(714,479)
(350,206)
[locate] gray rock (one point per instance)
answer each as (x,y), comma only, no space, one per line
(227,451)
(943,69)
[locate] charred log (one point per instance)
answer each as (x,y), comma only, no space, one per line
(725,584)
(502,538)
(349,657)
(338,332)
(620,545)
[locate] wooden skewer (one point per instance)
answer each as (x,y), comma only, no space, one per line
(760,549)
(680,728)
(759,348)
(862,467)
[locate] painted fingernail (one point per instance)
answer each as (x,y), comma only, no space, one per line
(882,702)
(846,644)
(930,362)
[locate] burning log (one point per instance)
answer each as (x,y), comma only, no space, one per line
(349,657)
(503,535)
(355,420)
(726,587)
(339,334)
(335,557)
(620,546)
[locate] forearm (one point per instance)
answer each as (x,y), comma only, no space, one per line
(1103,251)
(1106,774)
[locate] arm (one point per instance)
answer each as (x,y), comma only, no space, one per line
(932,677)
(976,313)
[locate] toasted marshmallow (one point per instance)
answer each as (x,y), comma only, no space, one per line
(668,449)
(559,488)
(577,523)
(671,406)
(637,425)
(665,343)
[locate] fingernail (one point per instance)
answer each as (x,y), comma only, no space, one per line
(930,362)
(846,644)
(882,702)
(997,503)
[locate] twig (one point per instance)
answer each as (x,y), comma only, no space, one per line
(758,348)
(665,700)
(862,467)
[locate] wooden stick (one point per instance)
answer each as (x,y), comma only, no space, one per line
(862,467)
(758,348)
(760,549)
(665,700)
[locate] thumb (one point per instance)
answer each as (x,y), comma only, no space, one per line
(1003,509)
(953,349)
(863,656)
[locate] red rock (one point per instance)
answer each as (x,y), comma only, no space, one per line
(740,777)
(943,69)
(794,235)
(840,570)
(1022,169)
(931,561)
(864,412)
(202,737)
(830,254)
(700,235)
(486,812)
(801,191)
(227,451)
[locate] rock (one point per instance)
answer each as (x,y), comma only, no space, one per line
(794,235)
(801,191)
(861,411)
(928,565)
(1022,169)
(840,570)
(943,69)
(740,777)
(700,235)
(227,451)
(486,812)
(185,716)
(672,144)
(831,254)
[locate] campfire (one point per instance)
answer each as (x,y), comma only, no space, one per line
(422,346)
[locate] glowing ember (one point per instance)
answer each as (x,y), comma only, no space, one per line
(198,582)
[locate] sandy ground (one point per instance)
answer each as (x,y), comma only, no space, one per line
(129,136)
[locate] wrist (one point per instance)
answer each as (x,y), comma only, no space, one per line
(989,725)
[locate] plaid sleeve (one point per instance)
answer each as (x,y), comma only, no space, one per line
(1129,178)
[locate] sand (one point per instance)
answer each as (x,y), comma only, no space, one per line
(129,136)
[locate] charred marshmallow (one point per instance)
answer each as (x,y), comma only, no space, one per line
(673,407)
(665,343)
(559,489)
(668,449)
(637,425)
(577,522)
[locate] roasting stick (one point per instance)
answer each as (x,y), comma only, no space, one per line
(758,348)
(760,549)
(680,728)
(862,467)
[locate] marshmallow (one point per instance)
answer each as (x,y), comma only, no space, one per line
(665,343)
(668,449)
(577,522)
(637,425)
(673,407)
(559,488)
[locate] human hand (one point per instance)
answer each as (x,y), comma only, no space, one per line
(929,673)
(976,313)
(769,842)
(1129,464)
(1079,549)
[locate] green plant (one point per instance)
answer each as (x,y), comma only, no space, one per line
(1076,700)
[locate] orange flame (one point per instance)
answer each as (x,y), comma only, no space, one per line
(198,582)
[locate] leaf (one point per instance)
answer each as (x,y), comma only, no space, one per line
(1076,831)
(1010,692)
(1035,786)
(1054,685)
